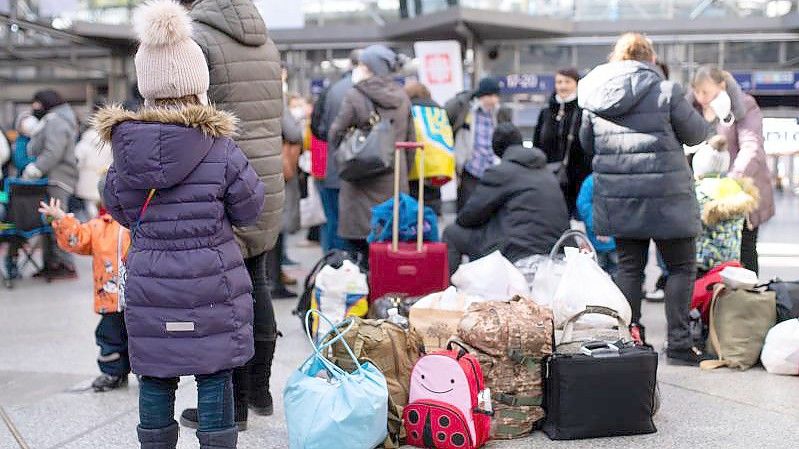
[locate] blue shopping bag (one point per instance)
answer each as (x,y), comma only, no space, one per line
(327,407)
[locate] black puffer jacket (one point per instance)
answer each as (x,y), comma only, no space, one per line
(635,122)
(520,203)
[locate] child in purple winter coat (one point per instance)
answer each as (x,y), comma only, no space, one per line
(188,295)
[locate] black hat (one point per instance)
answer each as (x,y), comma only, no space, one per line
(488,86)
(505,135)
(49,99)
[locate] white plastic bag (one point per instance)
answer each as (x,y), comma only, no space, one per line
(341,292)
(585,283)
(311,211)
(568,285)
(492,277)
(781,351)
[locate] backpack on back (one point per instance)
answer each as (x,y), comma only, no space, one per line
(394,351)
(511,339)
(457,109)
(448,406)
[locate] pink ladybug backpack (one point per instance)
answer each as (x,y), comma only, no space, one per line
(448,406)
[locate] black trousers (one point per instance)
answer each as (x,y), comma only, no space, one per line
(680,258)
(749,254)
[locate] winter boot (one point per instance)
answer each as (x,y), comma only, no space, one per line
(166,438)
(219,439)
(260,399)
(188,419)
(107,382)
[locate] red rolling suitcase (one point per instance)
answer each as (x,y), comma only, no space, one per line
(415,269)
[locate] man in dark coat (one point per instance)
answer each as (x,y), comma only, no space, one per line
(245,79)
(517,208)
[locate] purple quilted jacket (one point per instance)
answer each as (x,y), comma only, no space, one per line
(188,295)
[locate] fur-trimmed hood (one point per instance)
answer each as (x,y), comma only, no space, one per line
(208,119)
(159,147)
(727,198)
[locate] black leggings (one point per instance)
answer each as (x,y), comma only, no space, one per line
(680,258)
(264,324)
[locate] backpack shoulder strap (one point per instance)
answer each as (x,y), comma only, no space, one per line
(713,336)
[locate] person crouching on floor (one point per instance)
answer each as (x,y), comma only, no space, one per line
(517,208)
(181,184)
(106,241)
(725,203)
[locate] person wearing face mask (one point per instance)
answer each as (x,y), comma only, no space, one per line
(737,117)
(556,134)
(635,124)
(53,147)
(373,87)
(473,153)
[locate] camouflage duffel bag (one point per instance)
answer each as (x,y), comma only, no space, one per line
(511,339)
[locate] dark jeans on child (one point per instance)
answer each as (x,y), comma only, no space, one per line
(112,338)
(214,401)
(608,261)
(680,258)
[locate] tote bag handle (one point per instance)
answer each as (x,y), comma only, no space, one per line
(339,337)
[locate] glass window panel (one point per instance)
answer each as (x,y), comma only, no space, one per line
(590,56)
(544,58)
(706,53)
(749,53)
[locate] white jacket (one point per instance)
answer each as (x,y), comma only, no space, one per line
(94,158)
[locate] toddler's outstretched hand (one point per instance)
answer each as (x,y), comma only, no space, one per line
(52,210)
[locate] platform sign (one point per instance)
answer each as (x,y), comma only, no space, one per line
(281,15)
(780,135)
(440,68)
(526,83)
(767,80)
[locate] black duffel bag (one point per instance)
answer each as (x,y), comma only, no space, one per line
(611,392)
(787,299)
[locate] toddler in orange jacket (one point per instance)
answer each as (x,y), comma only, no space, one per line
(106,241)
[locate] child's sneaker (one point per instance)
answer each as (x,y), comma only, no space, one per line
(107,382)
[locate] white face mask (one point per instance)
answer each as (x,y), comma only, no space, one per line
(298,112)
(358,75)
(722,107)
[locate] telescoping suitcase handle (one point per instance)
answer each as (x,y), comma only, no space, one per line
(400,146)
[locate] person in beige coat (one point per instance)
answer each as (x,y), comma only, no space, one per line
(372,84)
(245,79)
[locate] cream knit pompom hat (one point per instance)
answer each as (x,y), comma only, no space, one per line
(169,64)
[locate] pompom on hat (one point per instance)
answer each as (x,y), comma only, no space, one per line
(169,64)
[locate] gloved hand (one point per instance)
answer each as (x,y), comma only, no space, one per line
(722,107)
(32,172)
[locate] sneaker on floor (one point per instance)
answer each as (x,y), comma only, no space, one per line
(657,295)
(283,293)
(107,382)
(60,272)
(188,419)
(687,357)
(638,333)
